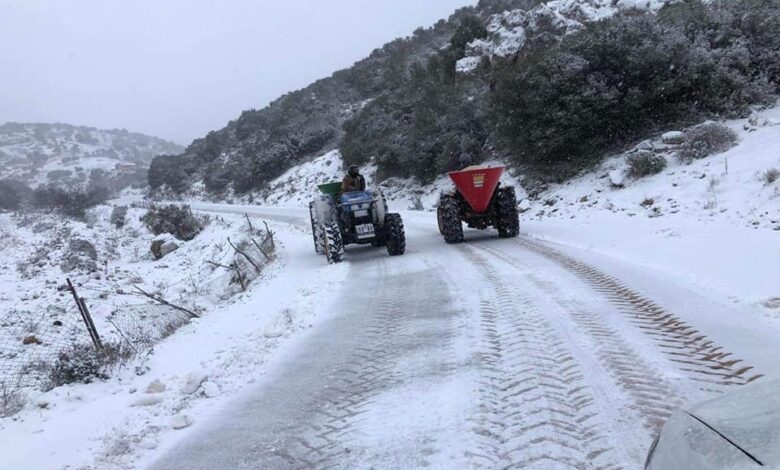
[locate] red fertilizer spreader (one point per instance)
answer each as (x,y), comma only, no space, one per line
(480,201)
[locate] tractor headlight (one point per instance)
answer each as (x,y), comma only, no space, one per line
(361,213)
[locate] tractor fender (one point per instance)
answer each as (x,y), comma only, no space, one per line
(323,209)
(381,209)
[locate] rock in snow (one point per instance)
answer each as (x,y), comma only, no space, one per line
(163,245)
(193,381)
(273,332)
(156,387)
(524,206)
(210,389)
(181,421)
(148,400)
(772,303)
(673,138)
(617,178)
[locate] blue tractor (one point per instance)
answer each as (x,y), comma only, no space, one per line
(358,217)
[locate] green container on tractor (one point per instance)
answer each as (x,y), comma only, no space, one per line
(330,189)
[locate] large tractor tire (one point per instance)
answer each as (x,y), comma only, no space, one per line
(316,231)
(334,244)
(449,217)
(396,237)
(507,216)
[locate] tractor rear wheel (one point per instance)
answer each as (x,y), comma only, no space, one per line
(396,237)
(449,217)
(507,217)
(334,244)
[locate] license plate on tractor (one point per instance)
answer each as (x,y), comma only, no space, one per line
(365,230)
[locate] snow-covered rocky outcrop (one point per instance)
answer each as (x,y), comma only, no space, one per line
(509,30)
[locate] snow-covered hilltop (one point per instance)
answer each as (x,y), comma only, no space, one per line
(41,153)
(508,30)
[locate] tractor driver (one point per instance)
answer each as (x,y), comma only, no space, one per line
(353,181)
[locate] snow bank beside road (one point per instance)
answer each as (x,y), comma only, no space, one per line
(122,421)
(734,264)
(714,223)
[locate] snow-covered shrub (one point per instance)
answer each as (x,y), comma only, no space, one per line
(12,194)
(771,175)
(82,363)
(645,163)
(706,140)
(118,215)
(168,170)
(80,255)
(179,221)
(11,400)
(34,263)
(417,204)
(71,201)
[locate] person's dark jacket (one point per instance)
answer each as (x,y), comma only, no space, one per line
(350,183)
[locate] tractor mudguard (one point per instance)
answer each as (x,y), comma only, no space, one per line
(324,209)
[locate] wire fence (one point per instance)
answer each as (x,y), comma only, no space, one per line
(30,342)
(141,326)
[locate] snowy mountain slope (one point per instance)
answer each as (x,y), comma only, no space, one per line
(40,153)
(731,187)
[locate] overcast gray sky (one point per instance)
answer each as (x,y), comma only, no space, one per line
(179,68)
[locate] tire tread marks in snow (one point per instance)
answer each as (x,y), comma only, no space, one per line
(536,410)
(328,441)
(651,395)
(693,353)
(450,224)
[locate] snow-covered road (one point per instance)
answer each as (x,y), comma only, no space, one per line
(490,354)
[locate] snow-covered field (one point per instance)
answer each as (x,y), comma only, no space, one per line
(601,319)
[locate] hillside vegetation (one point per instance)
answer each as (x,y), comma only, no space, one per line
(61,161)
(549,87)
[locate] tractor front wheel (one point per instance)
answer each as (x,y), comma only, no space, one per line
(396,236)
(449,217)
(334,244)
(507,218)
(316,231)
